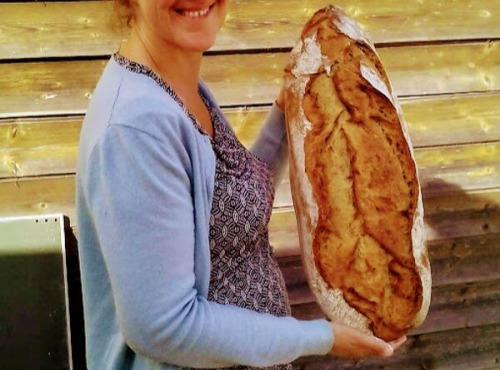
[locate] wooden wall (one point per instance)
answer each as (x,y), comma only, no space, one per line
(443,58)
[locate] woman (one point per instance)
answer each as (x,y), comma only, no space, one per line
(173,214)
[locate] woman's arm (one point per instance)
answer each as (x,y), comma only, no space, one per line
(271,144)
(139,189)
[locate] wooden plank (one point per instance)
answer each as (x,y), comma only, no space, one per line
(448,170)
(452,307)
(40,196)
(470,117)
(48,145)
(46,29)
(447,213)
(462,306)
(443,68)
(35,30)
(475,209)
(442,169)
(460,167)
(52,88)
(34,147)
(470,348)
(453,261)
(477,213)
(35,89)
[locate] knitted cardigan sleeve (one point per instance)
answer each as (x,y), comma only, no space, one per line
(271,144)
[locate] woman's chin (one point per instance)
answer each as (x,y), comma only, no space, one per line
(201,44)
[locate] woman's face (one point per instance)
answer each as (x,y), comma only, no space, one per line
(190,25)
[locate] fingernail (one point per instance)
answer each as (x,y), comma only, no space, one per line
(388,351)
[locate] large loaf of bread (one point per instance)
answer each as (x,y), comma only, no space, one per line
(354,181)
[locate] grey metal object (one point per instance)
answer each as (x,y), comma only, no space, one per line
(34,307)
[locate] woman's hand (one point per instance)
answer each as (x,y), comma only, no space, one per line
(351,343)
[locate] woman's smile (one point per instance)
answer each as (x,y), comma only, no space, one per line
(195,13)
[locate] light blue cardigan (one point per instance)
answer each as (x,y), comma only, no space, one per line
(145,179)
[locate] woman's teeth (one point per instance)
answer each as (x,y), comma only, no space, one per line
(195,14)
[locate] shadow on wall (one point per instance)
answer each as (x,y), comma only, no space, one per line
(452,212)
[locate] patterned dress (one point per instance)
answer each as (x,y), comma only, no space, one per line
(244,272)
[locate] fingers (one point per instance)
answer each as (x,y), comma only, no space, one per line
(381,348)
(395,344)
(353,343)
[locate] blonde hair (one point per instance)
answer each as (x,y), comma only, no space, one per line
(124,12)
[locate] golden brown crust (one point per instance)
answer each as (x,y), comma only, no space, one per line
(363,179)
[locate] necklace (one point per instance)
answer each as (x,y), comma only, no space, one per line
(155,65)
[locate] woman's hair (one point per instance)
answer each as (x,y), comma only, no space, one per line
(124,12)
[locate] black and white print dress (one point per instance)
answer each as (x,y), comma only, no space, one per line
(244,272)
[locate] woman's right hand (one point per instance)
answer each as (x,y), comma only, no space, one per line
(351,343)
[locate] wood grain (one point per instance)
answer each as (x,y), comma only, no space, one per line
(34,147)
(36,30)
(48,145)
(38,196)
(467,349)
(446,211)
(52,88)
(453,119)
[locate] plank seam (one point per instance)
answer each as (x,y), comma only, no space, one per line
(254,51)
(4,119)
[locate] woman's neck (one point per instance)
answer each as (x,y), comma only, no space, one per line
(179,68)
